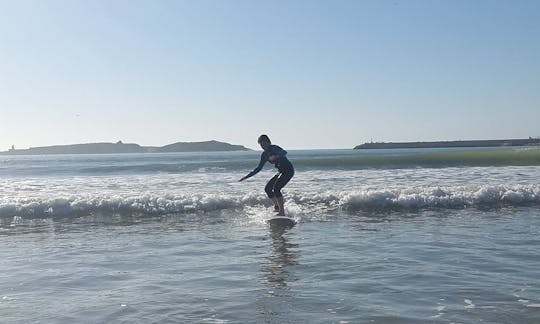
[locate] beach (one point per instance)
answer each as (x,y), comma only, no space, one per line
(401,236)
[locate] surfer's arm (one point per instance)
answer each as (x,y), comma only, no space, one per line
(258,168)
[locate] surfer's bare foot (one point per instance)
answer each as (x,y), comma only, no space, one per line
(280,214)
(276,208)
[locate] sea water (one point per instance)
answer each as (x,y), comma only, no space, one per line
(383,236)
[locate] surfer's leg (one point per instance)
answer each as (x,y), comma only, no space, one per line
(281,181)
(269,189)
(276,204)
(281,206)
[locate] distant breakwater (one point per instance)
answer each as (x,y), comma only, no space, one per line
(444,144)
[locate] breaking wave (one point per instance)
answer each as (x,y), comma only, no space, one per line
(457,197)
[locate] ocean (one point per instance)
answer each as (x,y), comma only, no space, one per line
(383,236)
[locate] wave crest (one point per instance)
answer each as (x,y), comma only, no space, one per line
(358,200)
(455,197)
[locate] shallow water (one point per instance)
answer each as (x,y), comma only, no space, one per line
(384,245)
(464,266)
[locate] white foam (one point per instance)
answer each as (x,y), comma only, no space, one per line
(164,194)
(451,197)
(533,305)
(469,304)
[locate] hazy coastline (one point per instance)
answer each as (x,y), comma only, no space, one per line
(119,147)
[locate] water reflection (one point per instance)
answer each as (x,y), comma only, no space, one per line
(283,254)
(277,274)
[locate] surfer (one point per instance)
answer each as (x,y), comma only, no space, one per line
(277,156)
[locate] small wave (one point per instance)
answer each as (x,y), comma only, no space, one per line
(450,198)
(369,199)
(145,204)
(135,168)
(529,157)
(165,168)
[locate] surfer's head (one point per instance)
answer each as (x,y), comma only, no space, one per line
(264,141)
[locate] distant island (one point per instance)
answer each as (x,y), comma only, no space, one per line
(119,147)
(443,144)
(207,146)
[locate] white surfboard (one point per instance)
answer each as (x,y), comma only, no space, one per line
(283,221)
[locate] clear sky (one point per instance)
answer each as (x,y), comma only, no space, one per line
(310,74)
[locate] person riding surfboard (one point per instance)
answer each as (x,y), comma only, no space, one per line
(277,156)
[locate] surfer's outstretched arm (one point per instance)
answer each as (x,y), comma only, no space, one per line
(258,168)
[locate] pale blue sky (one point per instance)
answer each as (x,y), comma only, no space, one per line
(311,74)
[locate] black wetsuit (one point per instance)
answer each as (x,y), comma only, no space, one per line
(284,166)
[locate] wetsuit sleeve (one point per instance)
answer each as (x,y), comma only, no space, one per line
(264,158)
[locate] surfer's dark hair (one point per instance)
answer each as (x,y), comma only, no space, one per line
(263,138)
